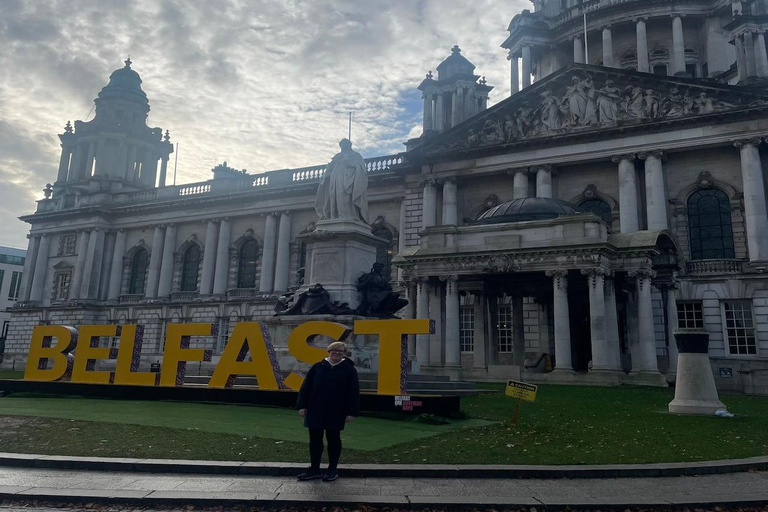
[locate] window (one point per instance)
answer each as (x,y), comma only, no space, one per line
(67,245)
(221,339)
(689,315)
(691,70)
(190,269)
(4,332)
(660,69)
(138,272)
(467,328)
(13,260)
(13,291)
(504,327)
(61,286)
(599,208)
(246,264)
(2,274)
(384,254)
(739,328)
(709,223)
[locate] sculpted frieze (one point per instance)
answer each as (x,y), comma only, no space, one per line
(582,101)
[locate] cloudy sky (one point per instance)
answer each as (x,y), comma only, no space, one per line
(262,84)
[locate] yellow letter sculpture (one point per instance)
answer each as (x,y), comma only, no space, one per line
(88,351)
(247,337)
(177,351)
(40,351)
(300,345)
(393,349)
(129,357)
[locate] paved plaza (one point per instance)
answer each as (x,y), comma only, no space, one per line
(159,489)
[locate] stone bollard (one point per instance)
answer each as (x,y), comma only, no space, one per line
(695,391)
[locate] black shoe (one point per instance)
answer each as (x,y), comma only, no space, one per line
(330,475)
(310,474)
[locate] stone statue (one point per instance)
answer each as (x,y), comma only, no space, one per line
(314,301)
(343,190)
(378,299)
(608,103)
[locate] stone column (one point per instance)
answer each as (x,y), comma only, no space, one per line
(520,184)
(518,330)
(455,108)
(628,217)
(514,75)
(754,199)
(452,338)
(166,266)
(116,271)
(75,163)
(409,312)
(544,181)
(66,151)
(646,360)
(439,113)
(163,170)
(89,287)
(672,326)
(741,58)
(130,164)
(436,342)
(450,202)
(761,57)
(612,325)
(655,191)
(526,66)
(596,283)
(283,253)
(41,269)
(209,258)
(607,47)
(82,251)
(267,281)
(422,312)
(427,125)
(563,361)
(221,276)
(429,204)
(155,258)
(749,54)
(29,268)
(578,50)
(401,237)
(678,45)
(101,158)
(478,335)
(642,46)
(110,239)
(89,160)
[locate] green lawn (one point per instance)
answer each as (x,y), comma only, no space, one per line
(566,425)
(8,374)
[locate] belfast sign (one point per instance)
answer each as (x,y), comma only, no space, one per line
(249,351)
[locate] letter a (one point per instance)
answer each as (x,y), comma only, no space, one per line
(247,337)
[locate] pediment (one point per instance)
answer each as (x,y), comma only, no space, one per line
(63,266)
(594,101)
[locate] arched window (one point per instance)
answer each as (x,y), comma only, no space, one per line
(709,224)
(384,254)
(190,268)
(138,272)
(246,264)
(599,208)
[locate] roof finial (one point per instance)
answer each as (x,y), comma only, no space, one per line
(68,127)
(455,49)
(429,75)
(167,137)
(128,62)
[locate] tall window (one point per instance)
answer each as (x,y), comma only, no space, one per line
(61,286)
(190,269)
(739,327)
(599,208)
(384,254)
(138,272)
(2,274)
(690,315)
(709,223)
(13,291)
(246,264)
(221,339)
(467,328)
(504,327)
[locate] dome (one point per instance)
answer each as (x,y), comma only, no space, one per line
(124,83)
(455,64)
(527,208)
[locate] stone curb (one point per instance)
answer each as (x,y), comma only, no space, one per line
(386,470)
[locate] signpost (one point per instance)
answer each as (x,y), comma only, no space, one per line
(521,391)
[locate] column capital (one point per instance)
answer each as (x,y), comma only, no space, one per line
(618,158)
(655,153)
(431,181)
(751,141)
(594,273)
(643,274)
(519,170)
(544,167)
(450,278)
(640,18)
(559,277)
(607,26)
(677,15)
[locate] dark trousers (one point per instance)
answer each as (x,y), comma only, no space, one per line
(316,447)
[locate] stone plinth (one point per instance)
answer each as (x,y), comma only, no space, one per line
(695,391)
(339,251)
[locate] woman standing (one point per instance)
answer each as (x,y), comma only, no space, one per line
(328,399)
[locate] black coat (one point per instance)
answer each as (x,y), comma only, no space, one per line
(330,394)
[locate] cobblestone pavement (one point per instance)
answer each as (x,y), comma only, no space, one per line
(147,488)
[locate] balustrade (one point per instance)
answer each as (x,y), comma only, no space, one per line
(714,266)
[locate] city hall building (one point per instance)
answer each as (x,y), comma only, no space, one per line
(560,235)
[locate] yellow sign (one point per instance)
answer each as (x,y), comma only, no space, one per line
(51,345)
(521,390)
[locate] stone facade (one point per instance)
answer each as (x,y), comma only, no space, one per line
(571,227)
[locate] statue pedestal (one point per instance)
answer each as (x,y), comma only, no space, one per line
(339,251)
(695,391)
